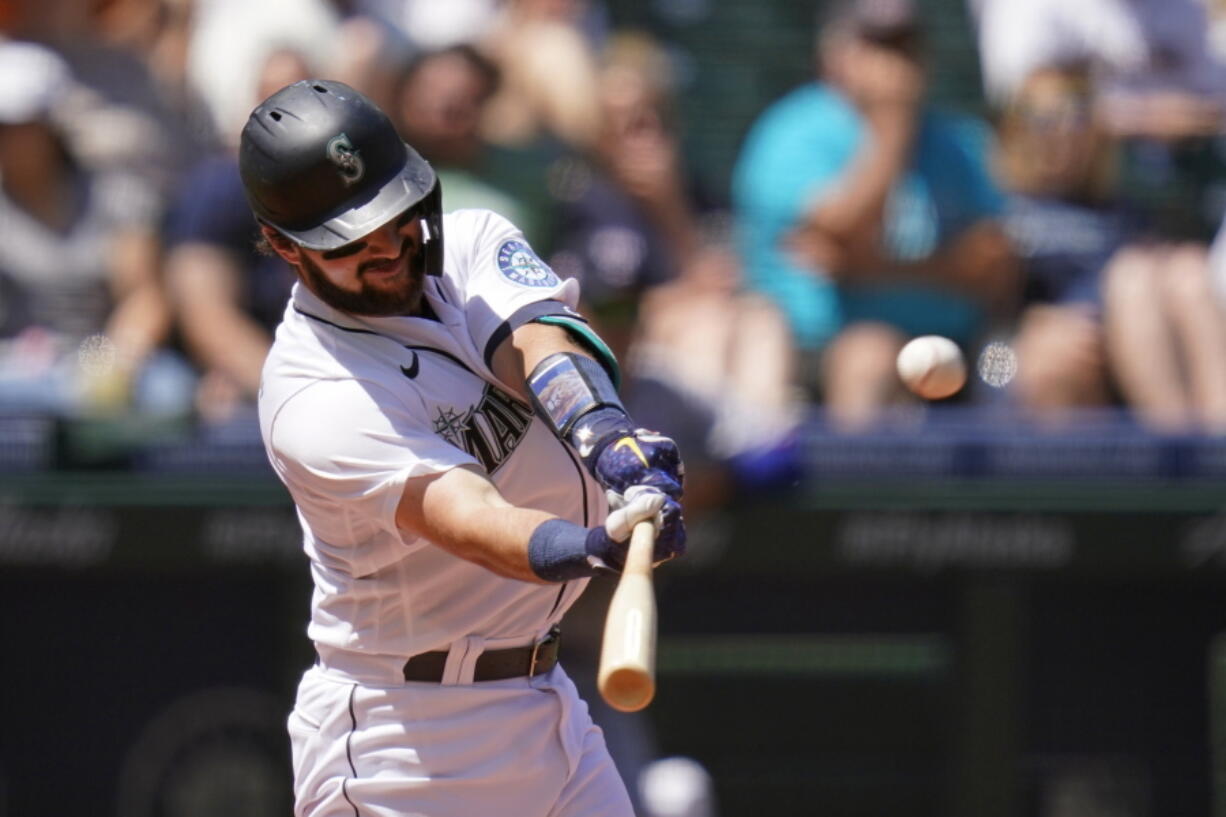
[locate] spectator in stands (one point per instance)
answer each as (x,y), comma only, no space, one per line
(231,39)
(1161,92)
(228,298)
(429,25)
(1151,58)
(548,67)
(868,216)
(1057,166)
(82,312)
(374,39)
(131,109)
(1166,334)
(438,108)
(1110,308)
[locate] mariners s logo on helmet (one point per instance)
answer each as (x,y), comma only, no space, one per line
(345,156)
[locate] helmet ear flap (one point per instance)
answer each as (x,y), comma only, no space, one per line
(432,228)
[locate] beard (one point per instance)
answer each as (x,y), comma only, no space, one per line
(401,296)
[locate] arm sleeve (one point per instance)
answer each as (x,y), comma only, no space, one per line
(345,449)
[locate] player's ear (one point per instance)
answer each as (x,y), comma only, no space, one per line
(275,242)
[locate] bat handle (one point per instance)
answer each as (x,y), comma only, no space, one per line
(639,556)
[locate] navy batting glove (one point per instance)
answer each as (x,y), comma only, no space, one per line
(609,543)
(640,457)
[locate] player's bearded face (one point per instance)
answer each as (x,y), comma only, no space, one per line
(380,274)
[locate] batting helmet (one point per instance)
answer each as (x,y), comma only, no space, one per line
(324,166)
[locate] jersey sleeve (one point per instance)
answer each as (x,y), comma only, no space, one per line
(345,449)
(503,283)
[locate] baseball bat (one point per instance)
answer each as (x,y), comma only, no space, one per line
(627,674)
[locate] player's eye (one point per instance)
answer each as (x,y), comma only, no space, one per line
(344,250)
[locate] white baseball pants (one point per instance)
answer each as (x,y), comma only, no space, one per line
(524,747)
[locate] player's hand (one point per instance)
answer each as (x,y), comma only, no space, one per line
(641,458)
(637,504)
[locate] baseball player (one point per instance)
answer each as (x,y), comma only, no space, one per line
(450,431)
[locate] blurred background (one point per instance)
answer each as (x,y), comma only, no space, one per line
(1004,603)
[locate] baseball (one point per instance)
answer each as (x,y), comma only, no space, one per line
(932,366)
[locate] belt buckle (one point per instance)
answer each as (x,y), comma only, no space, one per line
(549,638)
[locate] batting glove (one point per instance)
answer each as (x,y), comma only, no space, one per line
(641,457)
(637,504)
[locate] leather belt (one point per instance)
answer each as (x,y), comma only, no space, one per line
(492,665)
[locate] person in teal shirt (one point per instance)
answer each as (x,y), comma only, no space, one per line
(868,216)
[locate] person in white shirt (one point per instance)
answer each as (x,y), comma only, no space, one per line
(1151,58)
(450,431)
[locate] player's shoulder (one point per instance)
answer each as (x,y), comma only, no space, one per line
(475,223)
(308,349)
(473,240)
(322,430)
(312,398)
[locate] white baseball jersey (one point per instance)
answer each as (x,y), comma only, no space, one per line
(352,407)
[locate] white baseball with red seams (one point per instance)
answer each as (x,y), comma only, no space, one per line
(932,367)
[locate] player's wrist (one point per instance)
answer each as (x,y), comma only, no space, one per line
(560,551)
(598,430)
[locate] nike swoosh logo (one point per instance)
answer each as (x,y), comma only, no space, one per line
(632,444)
(410,371)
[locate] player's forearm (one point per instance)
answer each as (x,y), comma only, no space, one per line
(463,513)
(495,538)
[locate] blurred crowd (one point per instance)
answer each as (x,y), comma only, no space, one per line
(1074,224)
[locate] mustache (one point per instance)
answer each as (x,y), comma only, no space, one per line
(383,263)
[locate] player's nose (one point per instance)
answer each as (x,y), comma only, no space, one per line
(385,242)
